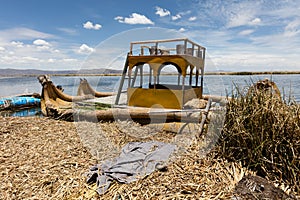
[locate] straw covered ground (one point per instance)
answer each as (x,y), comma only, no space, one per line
(40,158)
(43,158)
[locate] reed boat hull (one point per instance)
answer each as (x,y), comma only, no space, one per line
(56,104)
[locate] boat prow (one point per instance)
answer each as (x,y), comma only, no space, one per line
(86,89)
(53,99)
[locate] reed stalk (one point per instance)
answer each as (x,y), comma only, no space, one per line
(263,133)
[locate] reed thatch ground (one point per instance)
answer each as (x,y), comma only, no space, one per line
(42,158)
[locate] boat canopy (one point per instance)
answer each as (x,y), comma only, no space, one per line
(146,60)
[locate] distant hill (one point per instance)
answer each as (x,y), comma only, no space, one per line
(33,72)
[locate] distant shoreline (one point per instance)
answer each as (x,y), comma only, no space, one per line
(242,73)
(252,73)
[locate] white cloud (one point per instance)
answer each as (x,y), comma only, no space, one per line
(162,12)
(176,17)
(8,35)
(51,60)
(30,58)
(192,18)
(90,25)
(69,60)
(263,62)
(228,14)
(40,53)
(43,45)
(17,44)
(223,24)
(29,48)
(68,31)
(255,21)
(240,19)
(119,18)
(246,32)
(283,9)
(181,30)
(85,49)
(43,48)
(134,18)
(2,48)
(40,42)
(292,28)
(254,53)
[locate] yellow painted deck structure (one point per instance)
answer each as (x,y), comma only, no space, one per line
(147,84)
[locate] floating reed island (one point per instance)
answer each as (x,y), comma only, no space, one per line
(256,156)
(245,145)
(46,158)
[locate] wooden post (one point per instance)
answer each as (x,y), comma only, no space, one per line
(150,75)
(197,76)
(178,83)
(193,48)
(191,75)
(185,46)
(202,73)
(141,76)
(131,46)
(204,116)
(183,82)
(135,75)
(122,79)
(199,53)
(156,48)
(129,77)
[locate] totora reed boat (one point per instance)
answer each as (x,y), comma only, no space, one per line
(147,97)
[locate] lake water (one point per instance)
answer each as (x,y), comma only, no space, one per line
(289,85)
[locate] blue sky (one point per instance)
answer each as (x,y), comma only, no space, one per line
(245,35)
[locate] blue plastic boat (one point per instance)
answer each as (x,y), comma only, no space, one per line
(18,102)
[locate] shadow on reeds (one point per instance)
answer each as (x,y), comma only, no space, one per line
(262,132)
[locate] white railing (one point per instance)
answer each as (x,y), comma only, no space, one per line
(181,46)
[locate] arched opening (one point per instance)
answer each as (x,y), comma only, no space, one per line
(169,73)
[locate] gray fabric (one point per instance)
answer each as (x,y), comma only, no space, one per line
(137,160)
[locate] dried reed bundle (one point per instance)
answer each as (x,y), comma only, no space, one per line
(262,132)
